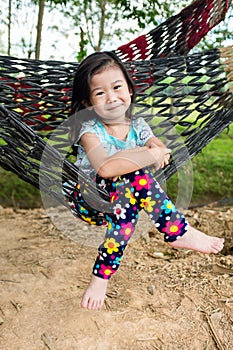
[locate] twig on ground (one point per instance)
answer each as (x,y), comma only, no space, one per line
(227,301)
(215,335)
(17,306)
(222,270)
(1,309)
(9,281)
(97,326)
(46,340)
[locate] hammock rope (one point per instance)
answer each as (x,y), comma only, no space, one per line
(187,100)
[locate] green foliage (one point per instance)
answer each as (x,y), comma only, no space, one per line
(212,170)
(17,193)
(149,12)
(81,54)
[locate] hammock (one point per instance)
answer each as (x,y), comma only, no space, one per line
(187,100)
(198,86)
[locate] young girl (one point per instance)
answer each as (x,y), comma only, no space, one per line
(117,150)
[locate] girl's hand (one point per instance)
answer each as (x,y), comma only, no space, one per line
(114,178)
(166,158)
(162,154)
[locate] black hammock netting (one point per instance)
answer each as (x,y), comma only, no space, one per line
(187,100)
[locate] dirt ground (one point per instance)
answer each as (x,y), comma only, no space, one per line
(160,298)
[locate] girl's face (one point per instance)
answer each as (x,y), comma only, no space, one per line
(109,94)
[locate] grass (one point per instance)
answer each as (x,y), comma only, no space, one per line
(212,172)
(15,192)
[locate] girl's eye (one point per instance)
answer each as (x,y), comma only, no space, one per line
(99,93)
(116,87)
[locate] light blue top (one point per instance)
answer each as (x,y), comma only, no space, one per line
(138,135)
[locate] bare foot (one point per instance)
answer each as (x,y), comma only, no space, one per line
(93,297)
(199,241)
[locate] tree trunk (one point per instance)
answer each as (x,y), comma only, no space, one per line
(103,4)
(39,28)
(9,28)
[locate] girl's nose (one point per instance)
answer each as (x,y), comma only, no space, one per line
(111,97)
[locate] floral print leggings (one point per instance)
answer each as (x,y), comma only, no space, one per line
(130,194)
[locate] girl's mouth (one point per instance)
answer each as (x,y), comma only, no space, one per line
(112,108)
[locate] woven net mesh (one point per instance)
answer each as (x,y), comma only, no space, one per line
(187,100)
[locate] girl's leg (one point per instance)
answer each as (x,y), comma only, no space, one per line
(163,213)
(172,223)
(121,225)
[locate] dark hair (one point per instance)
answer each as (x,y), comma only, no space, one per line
(91,65)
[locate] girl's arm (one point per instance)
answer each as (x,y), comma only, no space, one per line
(155,141)
(122,162)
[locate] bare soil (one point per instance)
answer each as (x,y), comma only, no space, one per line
(160,298)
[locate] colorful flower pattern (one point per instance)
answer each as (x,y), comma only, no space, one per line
(168,206)
(142,181)
(173,228)
(130,196)
(105,271)
(127,230)
(147,204)
(119,211)
(111,245)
